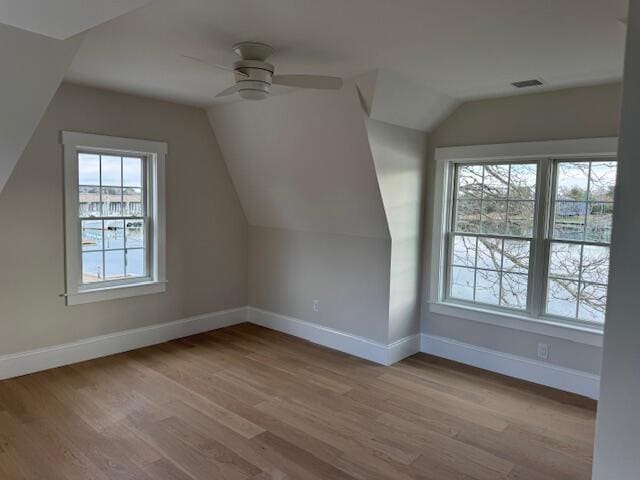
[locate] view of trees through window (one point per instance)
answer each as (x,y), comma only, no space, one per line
(494,223)
(112,209)
(493,226)
(579,250)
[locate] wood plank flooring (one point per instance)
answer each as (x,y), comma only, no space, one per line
(249,403)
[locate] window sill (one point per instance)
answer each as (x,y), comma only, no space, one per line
(575,333)
(116,292)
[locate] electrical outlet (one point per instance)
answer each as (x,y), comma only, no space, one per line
(316,305)
(543,351)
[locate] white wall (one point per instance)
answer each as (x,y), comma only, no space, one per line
(32,69)
(573,113)
(617,447)
(302,162)
(206,228)
(400,156)
(349,275)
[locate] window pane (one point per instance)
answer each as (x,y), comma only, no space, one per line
(569,220)
(603,181)
(132,172)
(516,256)
(462,283)
(135,263)
(488,287)
(469,181)
(464,251)
(92,267)
(89,201)
(595,264)
(521,216)
(134,233)
(593,303)
(490,253)
(494,217)
(496,181)
(562,298)
(111,202)
(114,264)
(514,290)
(523,181)
(91,235)
(565,260)
(88,169)
(111,171)
(113,234)
(468,216)
(133,202)
(599,222)
(572,182)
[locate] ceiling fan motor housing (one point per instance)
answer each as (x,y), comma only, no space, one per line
(253,78)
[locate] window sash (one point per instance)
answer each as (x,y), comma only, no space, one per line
(146,218)
(540,241)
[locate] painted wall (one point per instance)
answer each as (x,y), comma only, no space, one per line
(617,444)
(399,155)
(33,67)
(564,114)
(206,227)
(302,166)
(349,275)
(302,162)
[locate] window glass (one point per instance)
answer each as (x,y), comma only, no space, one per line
(492,229)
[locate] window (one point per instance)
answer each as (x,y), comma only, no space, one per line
(526,234)
(114,215)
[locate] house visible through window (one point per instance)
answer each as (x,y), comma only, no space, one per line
(531,236)
(112,191)
(114,209)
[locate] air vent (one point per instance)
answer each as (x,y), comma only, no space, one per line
(527,83)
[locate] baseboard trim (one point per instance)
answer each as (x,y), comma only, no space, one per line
(22,363)
(338,340)
(542,373)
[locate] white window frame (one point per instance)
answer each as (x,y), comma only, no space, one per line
(154,154)
(545,153)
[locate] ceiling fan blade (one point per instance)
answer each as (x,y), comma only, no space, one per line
(228,91)
(214,65)
(308,81)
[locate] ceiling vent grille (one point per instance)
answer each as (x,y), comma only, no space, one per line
(527,83)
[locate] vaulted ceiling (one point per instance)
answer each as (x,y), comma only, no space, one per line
(430,49)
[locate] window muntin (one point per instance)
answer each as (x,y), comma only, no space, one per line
(493,233)
(580,236)
(112,200)
(492,229)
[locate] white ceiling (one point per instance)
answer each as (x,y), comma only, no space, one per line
(61,19)
(459,48)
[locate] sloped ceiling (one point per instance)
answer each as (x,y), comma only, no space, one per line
(389,97)
(33,67)
(302,162)
(62,19)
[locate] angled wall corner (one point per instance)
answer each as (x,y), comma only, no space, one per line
(302,166)
(33,67)
(399,155)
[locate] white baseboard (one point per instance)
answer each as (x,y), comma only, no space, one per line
(336,339)
(566,379)
(575,381)
(22,363)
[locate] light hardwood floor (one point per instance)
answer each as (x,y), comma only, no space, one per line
(250,403)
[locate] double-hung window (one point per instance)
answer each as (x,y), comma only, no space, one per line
(524,230)
(114,216)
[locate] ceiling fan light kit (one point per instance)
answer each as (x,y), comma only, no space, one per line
(254,75)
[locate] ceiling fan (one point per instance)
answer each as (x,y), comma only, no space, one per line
(254,75)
